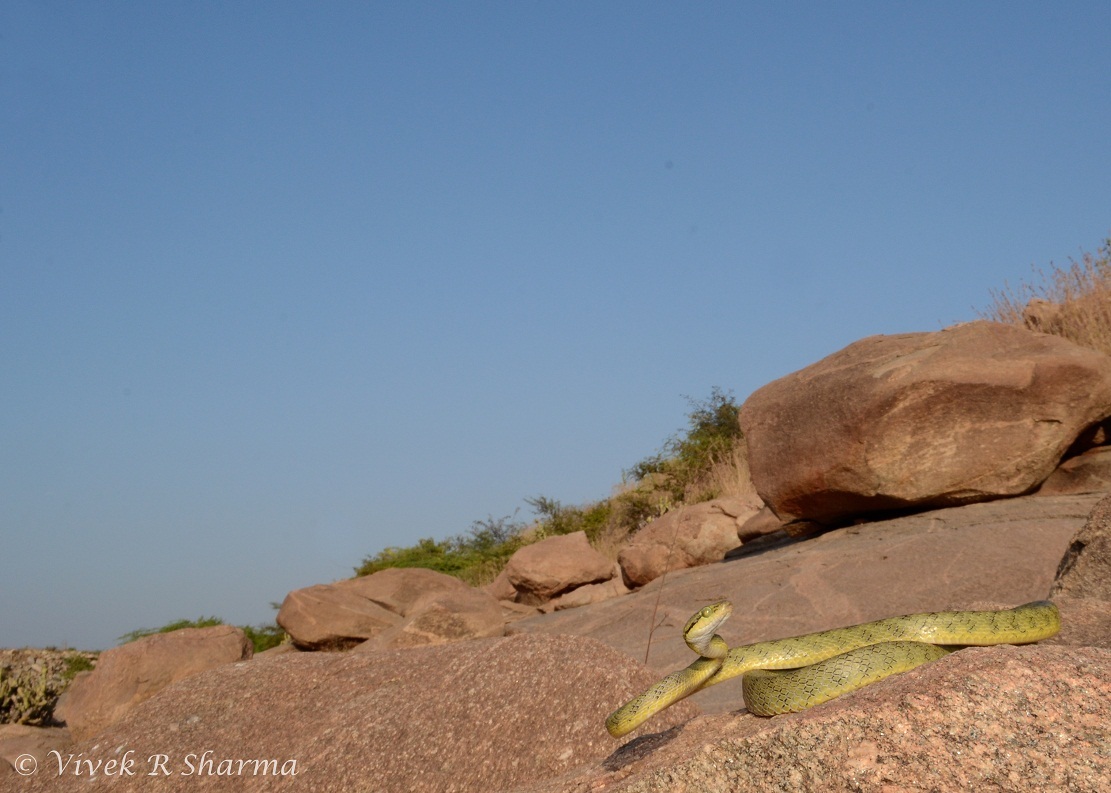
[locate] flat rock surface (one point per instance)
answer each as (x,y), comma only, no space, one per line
(1001,553)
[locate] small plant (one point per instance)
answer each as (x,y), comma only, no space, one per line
(264,637)
(76,664)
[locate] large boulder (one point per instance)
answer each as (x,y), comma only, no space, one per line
(484,715)
(922,420)
(401,607)
(134,672)
(547,569)
(685,537)
(333,616)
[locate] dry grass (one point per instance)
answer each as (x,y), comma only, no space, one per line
(731,477)
(1072,301)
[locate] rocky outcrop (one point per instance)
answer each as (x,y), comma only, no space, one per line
(484,715)
(547,569)
(1085,569)
(922,420)
(465,715)
(685,537)
(994,555)
(136,671)
(391,608)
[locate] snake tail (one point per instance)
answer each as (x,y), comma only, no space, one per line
(665,693)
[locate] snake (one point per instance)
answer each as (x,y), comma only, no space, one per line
(792,674)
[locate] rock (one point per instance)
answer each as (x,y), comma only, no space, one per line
(762,523)
(1003,552)
(483,715)
(546,569)
(501,587)
(18,740)
(134,672)
(922,420)
(684,537)
(403,590)
(1086,473)
(333,616)
(984,718)
(591,593)
(1085,622)
(445,616)
(1085,568)
(401,607)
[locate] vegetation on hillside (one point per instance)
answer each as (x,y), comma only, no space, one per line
(1081,292)
(703,462)
(263,637)
(707,460)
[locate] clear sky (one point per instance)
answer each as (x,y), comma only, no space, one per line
(283,284)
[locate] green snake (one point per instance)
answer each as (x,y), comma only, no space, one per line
(789,675)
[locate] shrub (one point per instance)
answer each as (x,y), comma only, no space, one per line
(25,698)
(31,681)
(555,518)
(476,557)
(685,467)
(76,664)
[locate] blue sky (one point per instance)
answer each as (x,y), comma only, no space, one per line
(282,284)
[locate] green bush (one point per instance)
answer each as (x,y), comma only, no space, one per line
(555,518)
(684,466)
(476,557)
(76,664)
(262,637)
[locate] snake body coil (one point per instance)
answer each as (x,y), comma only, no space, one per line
(789,675)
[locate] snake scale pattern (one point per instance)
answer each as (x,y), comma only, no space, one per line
(793,674)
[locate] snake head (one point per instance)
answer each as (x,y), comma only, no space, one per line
(699,631)
(707,619)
